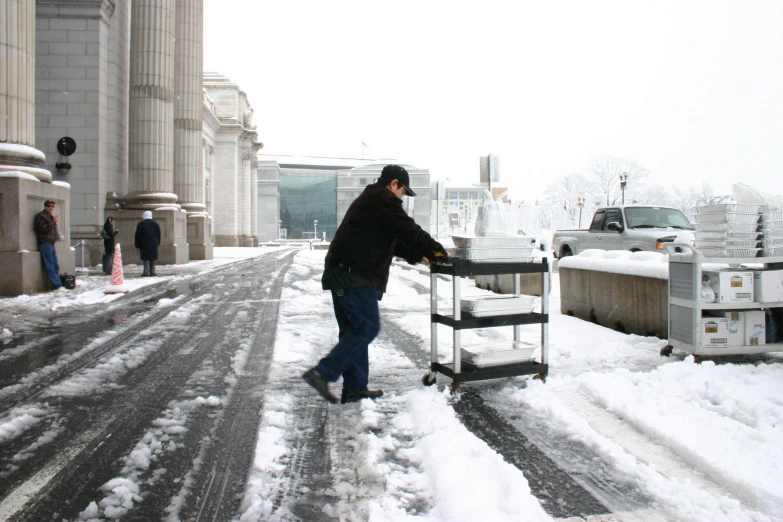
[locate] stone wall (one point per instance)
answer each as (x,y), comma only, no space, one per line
(626,303)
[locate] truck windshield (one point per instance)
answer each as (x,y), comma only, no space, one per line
(656,217)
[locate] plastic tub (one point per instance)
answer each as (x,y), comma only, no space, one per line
(730,207)
(495,255)
(497,354)
(492,242)
(727,217)
(734,243)
(727,236)
(730,252)
(737,228)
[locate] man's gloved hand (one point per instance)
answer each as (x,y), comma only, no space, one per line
(439,254)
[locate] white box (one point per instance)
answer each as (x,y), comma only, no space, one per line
(714,331)
(768,286)
(735,328)
(755,328)
(730,286)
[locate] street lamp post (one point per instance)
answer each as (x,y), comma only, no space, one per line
(315,229)
(580,201)
(623,182)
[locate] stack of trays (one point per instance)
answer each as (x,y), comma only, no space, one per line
(772,227)
(497,354)
(728,230)
(514,249)
(491,305)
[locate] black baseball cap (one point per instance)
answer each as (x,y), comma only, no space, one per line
(392,172)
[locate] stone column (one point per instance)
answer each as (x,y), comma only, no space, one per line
(247,240)
(152,132)
(254,193)
(151,105)
(188,151)
(24,185)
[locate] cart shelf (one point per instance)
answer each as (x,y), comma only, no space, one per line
(686,306)
(462,371)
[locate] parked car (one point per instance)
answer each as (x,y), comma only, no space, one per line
(629,227)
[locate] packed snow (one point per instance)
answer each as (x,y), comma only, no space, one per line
(696,441)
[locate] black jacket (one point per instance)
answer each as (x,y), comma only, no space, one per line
(45,227)
(148,239)
(108,237)
(374,229)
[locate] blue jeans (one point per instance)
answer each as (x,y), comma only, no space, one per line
(52,267)
(356,310)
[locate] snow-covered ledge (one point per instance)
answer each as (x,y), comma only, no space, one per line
(618,289)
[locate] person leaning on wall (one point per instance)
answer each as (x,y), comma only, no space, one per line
(45,227)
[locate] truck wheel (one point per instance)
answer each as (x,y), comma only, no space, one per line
(565,251)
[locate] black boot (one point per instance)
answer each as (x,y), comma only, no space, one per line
(314,379)
(356,396)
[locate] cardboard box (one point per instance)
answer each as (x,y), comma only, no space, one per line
(768,286)
(714,331)
(735,327)
(730,286)
(755,328)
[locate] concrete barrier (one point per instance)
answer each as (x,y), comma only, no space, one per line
(626,303)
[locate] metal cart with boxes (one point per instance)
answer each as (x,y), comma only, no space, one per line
(496,360)
(726,235)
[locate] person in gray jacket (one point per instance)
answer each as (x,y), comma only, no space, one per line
(45,227)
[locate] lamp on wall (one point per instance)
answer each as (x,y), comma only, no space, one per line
(65,146)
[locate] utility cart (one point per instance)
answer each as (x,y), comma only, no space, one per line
(688,323)
(500,362)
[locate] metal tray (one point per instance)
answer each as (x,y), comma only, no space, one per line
(727,236)
(495,255)
(730,252)
(734,243)
(775,215)
(769,252)
(497,354)
(496,302)
(773,233)
(772,242)
(740,228)
(492,242)
(776,224)
(730,207)
(727,217)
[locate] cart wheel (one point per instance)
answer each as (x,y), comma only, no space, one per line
(454,386)
(541,377)
(666,351)
(428,379)
(697,359)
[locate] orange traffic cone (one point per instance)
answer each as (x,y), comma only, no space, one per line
(118,285)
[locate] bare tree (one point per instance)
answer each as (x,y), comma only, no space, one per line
(604,175)
(564,194)
(689,197)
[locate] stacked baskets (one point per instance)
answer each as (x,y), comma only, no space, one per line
(772,228)
(514,249)
(738,230)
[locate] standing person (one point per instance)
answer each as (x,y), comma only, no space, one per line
(45,227)
(356,271)
(108,234)
(147,241)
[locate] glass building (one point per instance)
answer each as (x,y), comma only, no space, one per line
(305,199)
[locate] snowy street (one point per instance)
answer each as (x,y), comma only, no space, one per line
(184,401)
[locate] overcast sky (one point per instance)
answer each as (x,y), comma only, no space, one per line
(691,90)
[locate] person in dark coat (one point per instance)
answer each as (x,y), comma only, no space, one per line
(147,241)
(45,227)
(356,270)
(108,234)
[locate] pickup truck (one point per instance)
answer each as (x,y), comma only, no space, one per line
(629,227)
